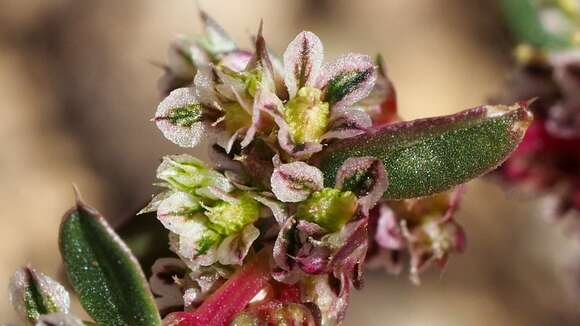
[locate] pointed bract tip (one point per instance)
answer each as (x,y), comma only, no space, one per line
(77,194)
(527,103)
(202,13)
(260,27)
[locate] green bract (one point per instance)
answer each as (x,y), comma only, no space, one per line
(307,116)
(330,208)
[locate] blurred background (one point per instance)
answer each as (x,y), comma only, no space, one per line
(77,90)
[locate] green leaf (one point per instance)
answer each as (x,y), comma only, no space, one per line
(427,156)
(522,17)
(102,270)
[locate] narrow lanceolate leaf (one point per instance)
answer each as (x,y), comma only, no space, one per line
(302,62)
(430,155)
(102,270)
(34,294)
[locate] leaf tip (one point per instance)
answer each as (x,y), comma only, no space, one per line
(80,203)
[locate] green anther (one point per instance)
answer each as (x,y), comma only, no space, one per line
(307,116)
(330,208)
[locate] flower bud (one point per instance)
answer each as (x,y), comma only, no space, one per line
(187,173)
(34,294)
(329,208)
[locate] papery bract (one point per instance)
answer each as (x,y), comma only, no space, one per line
(294,182)
(347,80)
(302,62)
(179,117)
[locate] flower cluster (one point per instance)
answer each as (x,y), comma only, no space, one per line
(267,117)
(312,175)
(548,159)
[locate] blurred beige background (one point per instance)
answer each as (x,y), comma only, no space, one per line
(77,90)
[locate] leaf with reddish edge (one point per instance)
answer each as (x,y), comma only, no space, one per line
(231,298)
(431,155)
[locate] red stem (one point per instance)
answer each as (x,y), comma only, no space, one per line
(231,298)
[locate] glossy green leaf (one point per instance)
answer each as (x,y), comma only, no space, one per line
(427,156)
(523,19)
(102,270)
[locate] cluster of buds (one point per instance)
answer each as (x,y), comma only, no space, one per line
(312,175)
